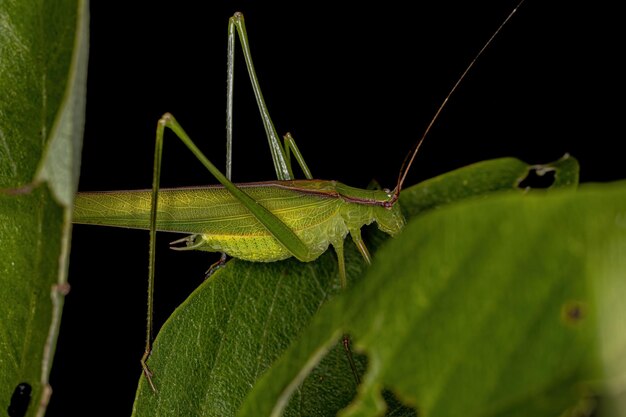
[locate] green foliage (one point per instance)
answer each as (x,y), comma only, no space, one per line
(485,306)
(495,300)
(43,64)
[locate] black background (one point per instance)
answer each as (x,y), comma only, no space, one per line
(355,84)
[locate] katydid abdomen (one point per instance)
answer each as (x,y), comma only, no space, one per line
(319,212)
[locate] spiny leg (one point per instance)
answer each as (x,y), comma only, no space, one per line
(156,176)
(280,153)
(290,146)
(341,263)
(230,85)
(360,244)
(279,230)
(344,283)
(237,23)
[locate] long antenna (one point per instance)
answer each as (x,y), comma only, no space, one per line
(408,161)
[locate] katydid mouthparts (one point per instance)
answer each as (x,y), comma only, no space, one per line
(261,221)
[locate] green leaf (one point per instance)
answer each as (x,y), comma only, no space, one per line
(483,178)
(473,180)
(507,305)
(232,328)
(43,64)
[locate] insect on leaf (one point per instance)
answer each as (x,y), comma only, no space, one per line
(246,315)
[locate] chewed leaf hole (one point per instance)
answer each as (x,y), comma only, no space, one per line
(538,177)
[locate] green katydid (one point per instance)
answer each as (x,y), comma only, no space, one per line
(263,221)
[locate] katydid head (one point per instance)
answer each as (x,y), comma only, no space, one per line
(408,160)
(389,219)
(388,216)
